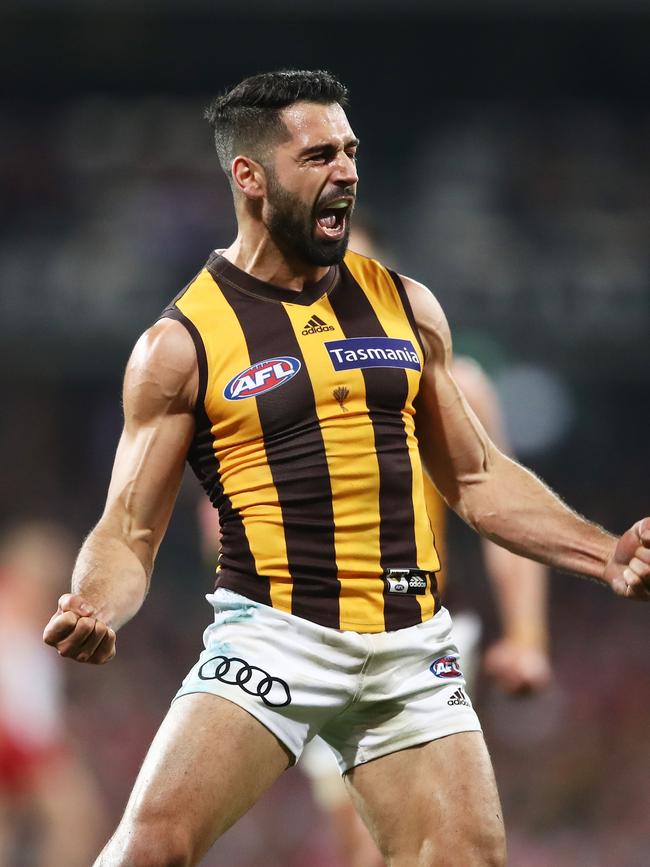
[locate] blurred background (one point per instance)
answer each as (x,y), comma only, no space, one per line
(505,159)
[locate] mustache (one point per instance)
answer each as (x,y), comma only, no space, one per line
(347,192)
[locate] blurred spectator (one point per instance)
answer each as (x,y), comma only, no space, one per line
(50,810)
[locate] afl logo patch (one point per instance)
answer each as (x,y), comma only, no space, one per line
(262,377)
(445,666)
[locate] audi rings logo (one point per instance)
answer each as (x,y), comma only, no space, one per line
(273,691)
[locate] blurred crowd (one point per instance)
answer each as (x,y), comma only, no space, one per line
(537,219)
(526,221)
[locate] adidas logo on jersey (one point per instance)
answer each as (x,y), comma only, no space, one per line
(316,325)
(406,581)
(458,697)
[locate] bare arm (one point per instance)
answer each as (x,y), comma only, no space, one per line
(519,583)
(112,572)
(498,497)
(519,659)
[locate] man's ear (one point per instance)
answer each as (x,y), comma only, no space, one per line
(249,177)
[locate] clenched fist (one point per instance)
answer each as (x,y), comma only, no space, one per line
(628,571)
(76,632)
(517,669)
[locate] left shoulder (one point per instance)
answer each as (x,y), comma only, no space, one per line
(429,318)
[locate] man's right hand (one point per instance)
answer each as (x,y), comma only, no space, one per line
(76,632)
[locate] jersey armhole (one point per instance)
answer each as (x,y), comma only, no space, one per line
(172,312)
(406,304)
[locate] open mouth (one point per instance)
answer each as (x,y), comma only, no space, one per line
(331,221)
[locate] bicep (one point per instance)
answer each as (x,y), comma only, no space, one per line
(146,475)
(150,457)
(455,449)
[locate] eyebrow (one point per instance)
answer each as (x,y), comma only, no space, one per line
(327,146)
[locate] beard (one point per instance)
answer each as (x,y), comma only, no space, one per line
(291,225)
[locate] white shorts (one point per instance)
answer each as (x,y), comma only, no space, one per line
(466,633)
(366,695)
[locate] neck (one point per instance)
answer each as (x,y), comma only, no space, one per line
(259,256)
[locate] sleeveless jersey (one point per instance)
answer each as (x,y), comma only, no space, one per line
(305,442)
(437,512)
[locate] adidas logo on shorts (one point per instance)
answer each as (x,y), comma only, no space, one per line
(316,325)
(458,697)
(417,582)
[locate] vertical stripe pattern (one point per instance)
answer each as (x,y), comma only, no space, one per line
(389,301)
(296,457)
(355,498)
(397,536)
(309,448)
(249,522)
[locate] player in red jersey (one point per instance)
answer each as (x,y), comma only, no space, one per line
(45,791)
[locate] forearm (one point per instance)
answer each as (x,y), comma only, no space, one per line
(520,588)
(496,496)
(112,574)
(509,505)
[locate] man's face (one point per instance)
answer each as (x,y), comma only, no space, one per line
(312,184)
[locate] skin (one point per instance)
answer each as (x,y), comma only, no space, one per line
(435,804)
(200,775)
(498,497)
(191,789)
(316,164)
(518,661)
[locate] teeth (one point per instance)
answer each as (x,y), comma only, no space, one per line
(340,204)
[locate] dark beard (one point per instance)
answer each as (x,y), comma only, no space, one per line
(291,225)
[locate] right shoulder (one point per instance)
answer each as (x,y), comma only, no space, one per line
(162,371)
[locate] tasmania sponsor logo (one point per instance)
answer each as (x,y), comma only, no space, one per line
(356,352)
(445,666)
(262,377)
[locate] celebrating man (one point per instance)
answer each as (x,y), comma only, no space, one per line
(305,386)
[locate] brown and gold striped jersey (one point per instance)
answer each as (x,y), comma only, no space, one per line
(437,512)
(305,442)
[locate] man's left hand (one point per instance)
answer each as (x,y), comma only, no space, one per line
(628,570)
(517,670)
